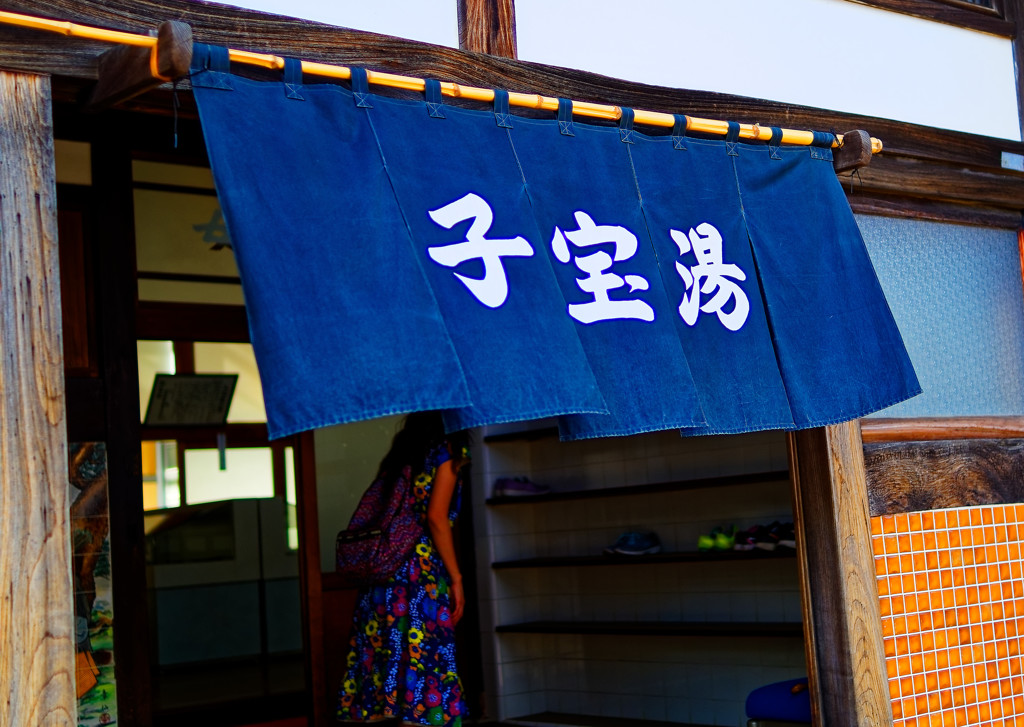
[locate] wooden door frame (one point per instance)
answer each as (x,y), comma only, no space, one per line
(37,644)
(842,623)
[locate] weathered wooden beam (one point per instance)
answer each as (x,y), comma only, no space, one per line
(192,322)
(957,14)
(915,208)
(917,476)
(842,625)
(924,429)
(126,71)
(892,174)
(854,153)
(37,646)
(488,26)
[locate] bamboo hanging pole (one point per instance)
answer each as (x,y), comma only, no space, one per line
(524,100)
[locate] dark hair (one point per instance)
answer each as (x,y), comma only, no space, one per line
(421,432)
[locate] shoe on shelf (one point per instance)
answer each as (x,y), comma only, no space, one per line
(518,487)
(721,538)
(787,536)
(635,542)
(725,538)
(758,537)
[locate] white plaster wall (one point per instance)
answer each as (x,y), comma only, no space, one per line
(831,54)
(428,21)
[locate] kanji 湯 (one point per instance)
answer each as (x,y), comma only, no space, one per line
(710,276)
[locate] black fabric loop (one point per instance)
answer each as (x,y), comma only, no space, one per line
(731,138)
(823,139)
(220,61)
(821,145)
(626,126)
(679,132)
(774,143)
(293,79)
(211,67)
(502,116)
(200,54)
(432,89)
(360,87)
(565,117)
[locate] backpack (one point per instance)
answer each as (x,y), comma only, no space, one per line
(381,534)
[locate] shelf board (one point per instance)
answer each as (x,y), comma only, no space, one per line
(695,556)
(753,478)
(589,720)
(522,435)
(784,629)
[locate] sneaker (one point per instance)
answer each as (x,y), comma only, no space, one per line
(787,536)
(643,542)
(518,487)
(721,538)
(758,537)
(725,538)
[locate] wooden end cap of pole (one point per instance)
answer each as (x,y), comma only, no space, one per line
(854,153)
(127,71)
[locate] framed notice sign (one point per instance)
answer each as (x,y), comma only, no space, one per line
(190,400)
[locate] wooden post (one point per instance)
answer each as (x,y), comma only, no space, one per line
(488,26)
(842,625)
(37,651)
(311,585)
(116,296)
(1013,10)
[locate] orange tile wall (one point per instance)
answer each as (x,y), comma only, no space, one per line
(951,597)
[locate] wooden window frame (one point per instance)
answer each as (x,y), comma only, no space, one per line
(997,20)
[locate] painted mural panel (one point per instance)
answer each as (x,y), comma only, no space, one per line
(94,610)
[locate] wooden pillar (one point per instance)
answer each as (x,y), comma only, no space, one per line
(116,300)
(37,652)
(488,26)
(842,626)
(1013,10)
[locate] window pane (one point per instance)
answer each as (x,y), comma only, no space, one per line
(182,245)
(249,473)
(155,357)
(149,486)
(160,475)
(235,358)
(177,291)
(289,498)
(168,487)
(955,292)
(73,161)
(181,175)
(181,232)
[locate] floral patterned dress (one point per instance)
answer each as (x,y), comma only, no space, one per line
(401,662)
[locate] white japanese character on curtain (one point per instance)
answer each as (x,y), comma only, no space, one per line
(599,281)
(492,288)
(710,275)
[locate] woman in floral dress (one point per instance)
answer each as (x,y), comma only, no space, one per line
(401,663)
